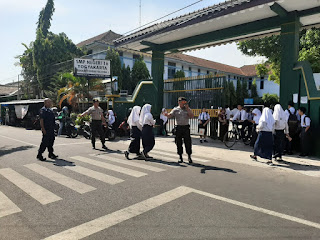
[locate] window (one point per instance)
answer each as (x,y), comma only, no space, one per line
(250,79)
(229,76)
(171,70)
(135,57)
(190,72)
(249,85)
(121,54)
(182,67)
(261,84)
(208,72)
(199,72)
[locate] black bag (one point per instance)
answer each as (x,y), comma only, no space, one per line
(293,124)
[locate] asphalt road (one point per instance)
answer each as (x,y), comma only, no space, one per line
(96,194)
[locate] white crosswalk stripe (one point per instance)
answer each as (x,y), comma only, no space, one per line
(167,154)
(61,179)
(32,189)
(94,174)
(7,207)
(111,167)
(115,158)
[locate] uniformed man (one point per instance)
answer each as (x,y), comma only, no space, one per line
(182,114)
(47,123)
(98,119)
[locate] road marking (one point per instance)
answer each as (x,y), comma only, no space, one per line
(34,190)
(107,221)
(110,166)
(61,179)
(18,140)
(94,174)
(7,207)
(112,157)
(162,153)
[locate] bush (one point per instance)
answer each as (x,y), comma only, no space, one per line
(80,120)
(270,99)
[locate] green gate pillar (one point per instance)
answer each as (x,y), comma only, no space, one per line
(157,75)
(289,83)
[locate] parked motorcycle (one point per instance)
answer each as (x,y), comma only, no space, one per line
(109,132)
(69,129)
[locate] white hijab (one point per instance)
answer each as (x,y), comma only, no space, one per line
(162,116)
(134,116)
(267,118)
(111,117)
(257,115)
(279,114)
(146,110)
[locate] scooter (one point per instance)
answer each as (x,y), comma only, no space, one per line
(108,131)
(69,129)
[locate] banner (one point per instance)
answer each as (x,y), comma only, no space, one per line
(91,68)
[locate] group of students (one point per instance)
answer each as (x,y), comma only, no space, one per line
(141,124)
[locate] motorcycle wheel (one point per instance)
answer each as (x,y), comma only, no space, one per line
(111,135)
(74,133)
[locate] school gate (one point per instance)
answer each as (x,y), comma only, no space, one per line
(234,21)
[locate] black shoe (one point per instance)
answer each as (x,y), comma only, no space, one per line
(190,159)
(126,154)
(104,147)
(93,146)
(41,158)
(303,155)
(253,157)
(205,141)
(52,156)
(200,141)
(180,159)
(144,155)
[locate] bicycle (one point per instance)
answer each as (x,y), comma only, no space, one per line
(234,135)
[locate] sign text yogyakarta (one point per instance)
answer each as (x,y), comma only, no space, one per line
(91,67)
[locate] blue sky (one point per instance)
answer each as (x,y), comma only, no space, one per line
(81,19)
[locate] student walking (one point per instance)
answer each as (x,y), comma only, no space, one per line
(204,119)
(163,122)
(222,118)
(135,132)
(256,117)
(305,135)
(147,122)
(264,144)
(281,131)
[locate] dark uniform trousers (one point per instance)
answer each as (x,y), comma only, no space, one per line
(96,127)
(47,142)
(183,135)
(135,135)
(305,141)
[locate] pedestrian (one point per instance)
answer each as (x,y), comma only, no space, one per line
(281,131)
(293,123)
(242,119)
(228,113)
(135,132)
(163,122)
(111,118)
(222,118)
(182,113)
(47,123)
(264,144)
(63,117)
(256,117)
(97,119)
(234,111)
(305,135)
(147,122)
(204,119)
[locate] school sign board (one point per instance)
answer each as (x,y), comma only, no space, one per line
(91,68)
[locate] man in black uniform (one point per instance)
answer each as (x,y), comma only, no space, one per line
(47,123)
(182,114)
(98,119)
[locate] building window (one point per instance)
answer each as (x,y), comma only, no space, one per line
(261,84)
(121,54)
(229,76)
(199,72)
(171,70)
(249,85)
(250,79)
(208,72)
(182,67)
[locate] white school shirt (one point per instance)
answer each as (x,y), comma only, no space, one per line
(228,113)
(241,115)
(234,112)
(148,120)
(204,116)
(308,121)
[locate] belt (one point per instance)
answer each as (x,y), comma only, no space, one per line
(96,120)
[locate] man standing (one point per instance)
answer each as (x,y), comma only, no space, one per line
(98,119)
(182,114)
(47,123)
(242,117)
(305,137)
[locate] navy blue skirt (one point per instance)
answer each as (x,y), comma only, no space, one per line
(264,145)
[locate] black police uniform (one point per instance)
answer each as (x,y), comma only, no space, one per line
(49,124)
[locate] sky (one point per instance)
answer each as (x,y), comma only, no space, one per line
(81,20)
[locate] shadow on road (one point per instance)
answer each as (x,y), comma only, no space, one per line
(205,168)
(6,151)
(296,166)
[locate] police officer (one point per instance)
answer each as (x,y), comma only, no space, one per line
(182,114)
(47,123)
(98,119)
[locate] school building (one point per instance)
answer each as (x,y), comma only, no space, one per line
(192,66)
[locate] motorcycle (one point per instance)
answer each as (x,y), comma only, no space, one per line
(69,129)
(109,132)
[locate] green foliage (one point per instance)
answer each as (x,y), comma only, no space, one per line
(139,72)
(245,93)
(179,74)
(115,62)
(262,70)
(80,120)
(239,93)
(310,48)
(126,79)
(254,92)
(233,95)
(45,17)
(270,99)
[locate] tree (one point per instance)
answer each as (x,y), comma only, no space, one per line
(270,99)
(139,72)
(233,95)
(126,78)
(262,70)
(254,92)
(115,64)
(245,93)
(179,74)
(270,48)
(239,93)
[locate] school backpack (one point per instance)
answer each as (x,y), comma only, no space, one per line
(293,122)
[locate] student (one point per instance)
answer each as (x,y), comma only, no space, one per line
(163,122)
(242,118)
(305,134)
(222,117)
(264,144)
(147,122)
(228,113)
(281,129)
(204,119)
(135,132)
(234,111)
(256,117)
